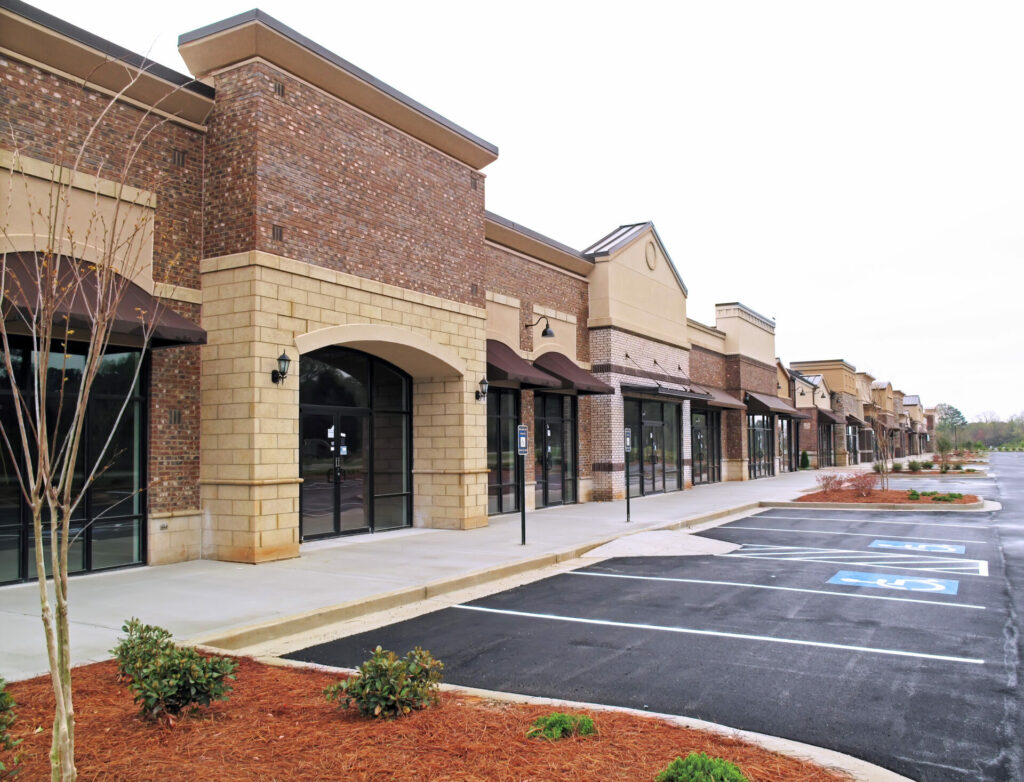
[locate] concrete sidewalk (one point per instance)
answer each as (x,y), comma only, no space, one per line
(204,597)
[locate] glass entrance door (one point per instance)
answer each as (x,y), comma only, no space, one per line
(335,486)
(555,449)
(654,458)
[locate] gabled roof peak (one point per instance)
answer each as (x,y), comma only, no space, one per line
(625,235)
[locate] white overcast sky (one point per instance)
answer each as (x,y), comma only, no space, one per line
(854,170)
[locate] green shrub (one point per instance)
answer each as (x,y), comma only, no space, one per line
(928,493)
(387,686)
(913,495)
(958,466)
(166,679)
(558,725)
(805,460)
(698,767)
(928,465)
(914,466)
(877,466)
(897,466)
(944,469)
(7,717)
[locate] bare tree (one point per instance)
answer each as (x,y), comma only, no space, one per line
(883,445)
(54,304)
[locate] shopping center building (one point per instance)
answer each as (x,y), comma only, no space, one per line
(347,339)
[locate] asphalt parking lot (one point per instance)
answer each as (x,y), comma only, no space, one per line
(876,634)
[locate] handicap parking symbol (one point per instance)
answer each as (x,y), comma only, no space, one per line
(909,545)
(937,586)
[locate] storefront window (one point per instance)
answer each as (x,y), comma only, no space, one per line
(107,527)
(706,445)
(826,446)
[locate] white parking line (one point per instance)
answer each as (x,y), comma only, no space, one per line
(872,521)
(969,567)
(856,534)
(719,634)
(779,588)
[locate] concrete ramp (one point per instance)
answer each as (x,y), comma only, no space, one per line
(661,543)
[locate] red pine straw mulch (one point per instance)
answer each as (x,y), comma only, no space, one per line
(849,495)
(278,726)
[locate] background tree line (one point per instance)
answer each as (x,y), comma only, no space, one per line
(988,429)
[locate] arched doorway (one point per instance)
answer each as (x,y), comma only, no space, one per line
(355,434)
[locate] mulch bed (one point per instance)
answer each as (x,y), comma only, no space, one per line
(891,496)
(278,726)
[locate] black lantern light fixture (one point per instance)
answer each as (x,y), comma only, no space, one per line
(279,374)
(548,333)
(482,393)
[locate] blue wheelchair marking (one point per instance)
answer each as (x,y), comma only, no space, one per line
(937,586)
(906,545)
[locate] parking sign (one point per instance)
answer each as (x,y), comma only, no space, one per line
(522,439)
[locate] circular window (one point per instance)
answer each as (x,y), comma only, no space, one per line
(652,255)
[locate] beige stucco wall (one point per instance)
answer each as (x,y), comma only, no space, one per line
(626,293)
(94,215)
(705,336)
(503,319)
(746,332)
(823,396)
(841,377)
(864,381)
(254,306)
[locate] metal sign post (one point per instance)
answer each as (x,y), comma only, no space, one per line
(628,442)
(522,445)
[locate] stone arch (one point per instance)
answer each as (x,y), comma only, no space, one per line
(415,353)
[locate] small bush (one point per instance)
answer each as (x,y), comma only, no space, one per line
(970,469)
(913,495)
(7,717)
(928,493)
(928,465)
(944,468)
(805,460)
(698,767)
(897,466)
(863,483)
(958,466)
(878,467)
(165,679)
(386,686)
(914,466)
(831,481)
(558,725)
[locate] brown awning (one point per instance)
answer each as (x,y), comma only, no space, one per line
(772,404)
(137,315)
(662,389)
(572,376)
(718,398)
(830,416)
(852,419)
(504,364)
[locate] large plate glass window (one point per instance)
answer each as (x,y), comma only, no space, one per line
(826,445)
(355,425)
(107,527)
(706,445)
(656,456)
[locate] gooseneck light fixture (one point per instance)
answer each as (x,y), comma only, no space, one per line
(482,393)
(279,374)
(547,332)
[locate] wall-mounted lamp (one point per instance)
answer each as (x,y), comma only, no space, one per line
(802,392)
(482,393)
(778,386)
(547,332)
(279,374)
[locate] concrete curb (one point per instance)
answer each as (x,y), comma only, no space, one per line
(859,770)
(249,635)
(940,476)
(971,506)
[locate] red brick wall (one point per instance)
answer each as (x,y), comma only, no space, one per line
(707,367)
(49,117)
(350,192)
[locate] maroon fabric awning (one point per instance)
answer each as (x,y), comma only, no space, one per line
(852,419)
(137,313)
(830,416)
(772,404)
(718,398)
(572,376)
(504,364)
